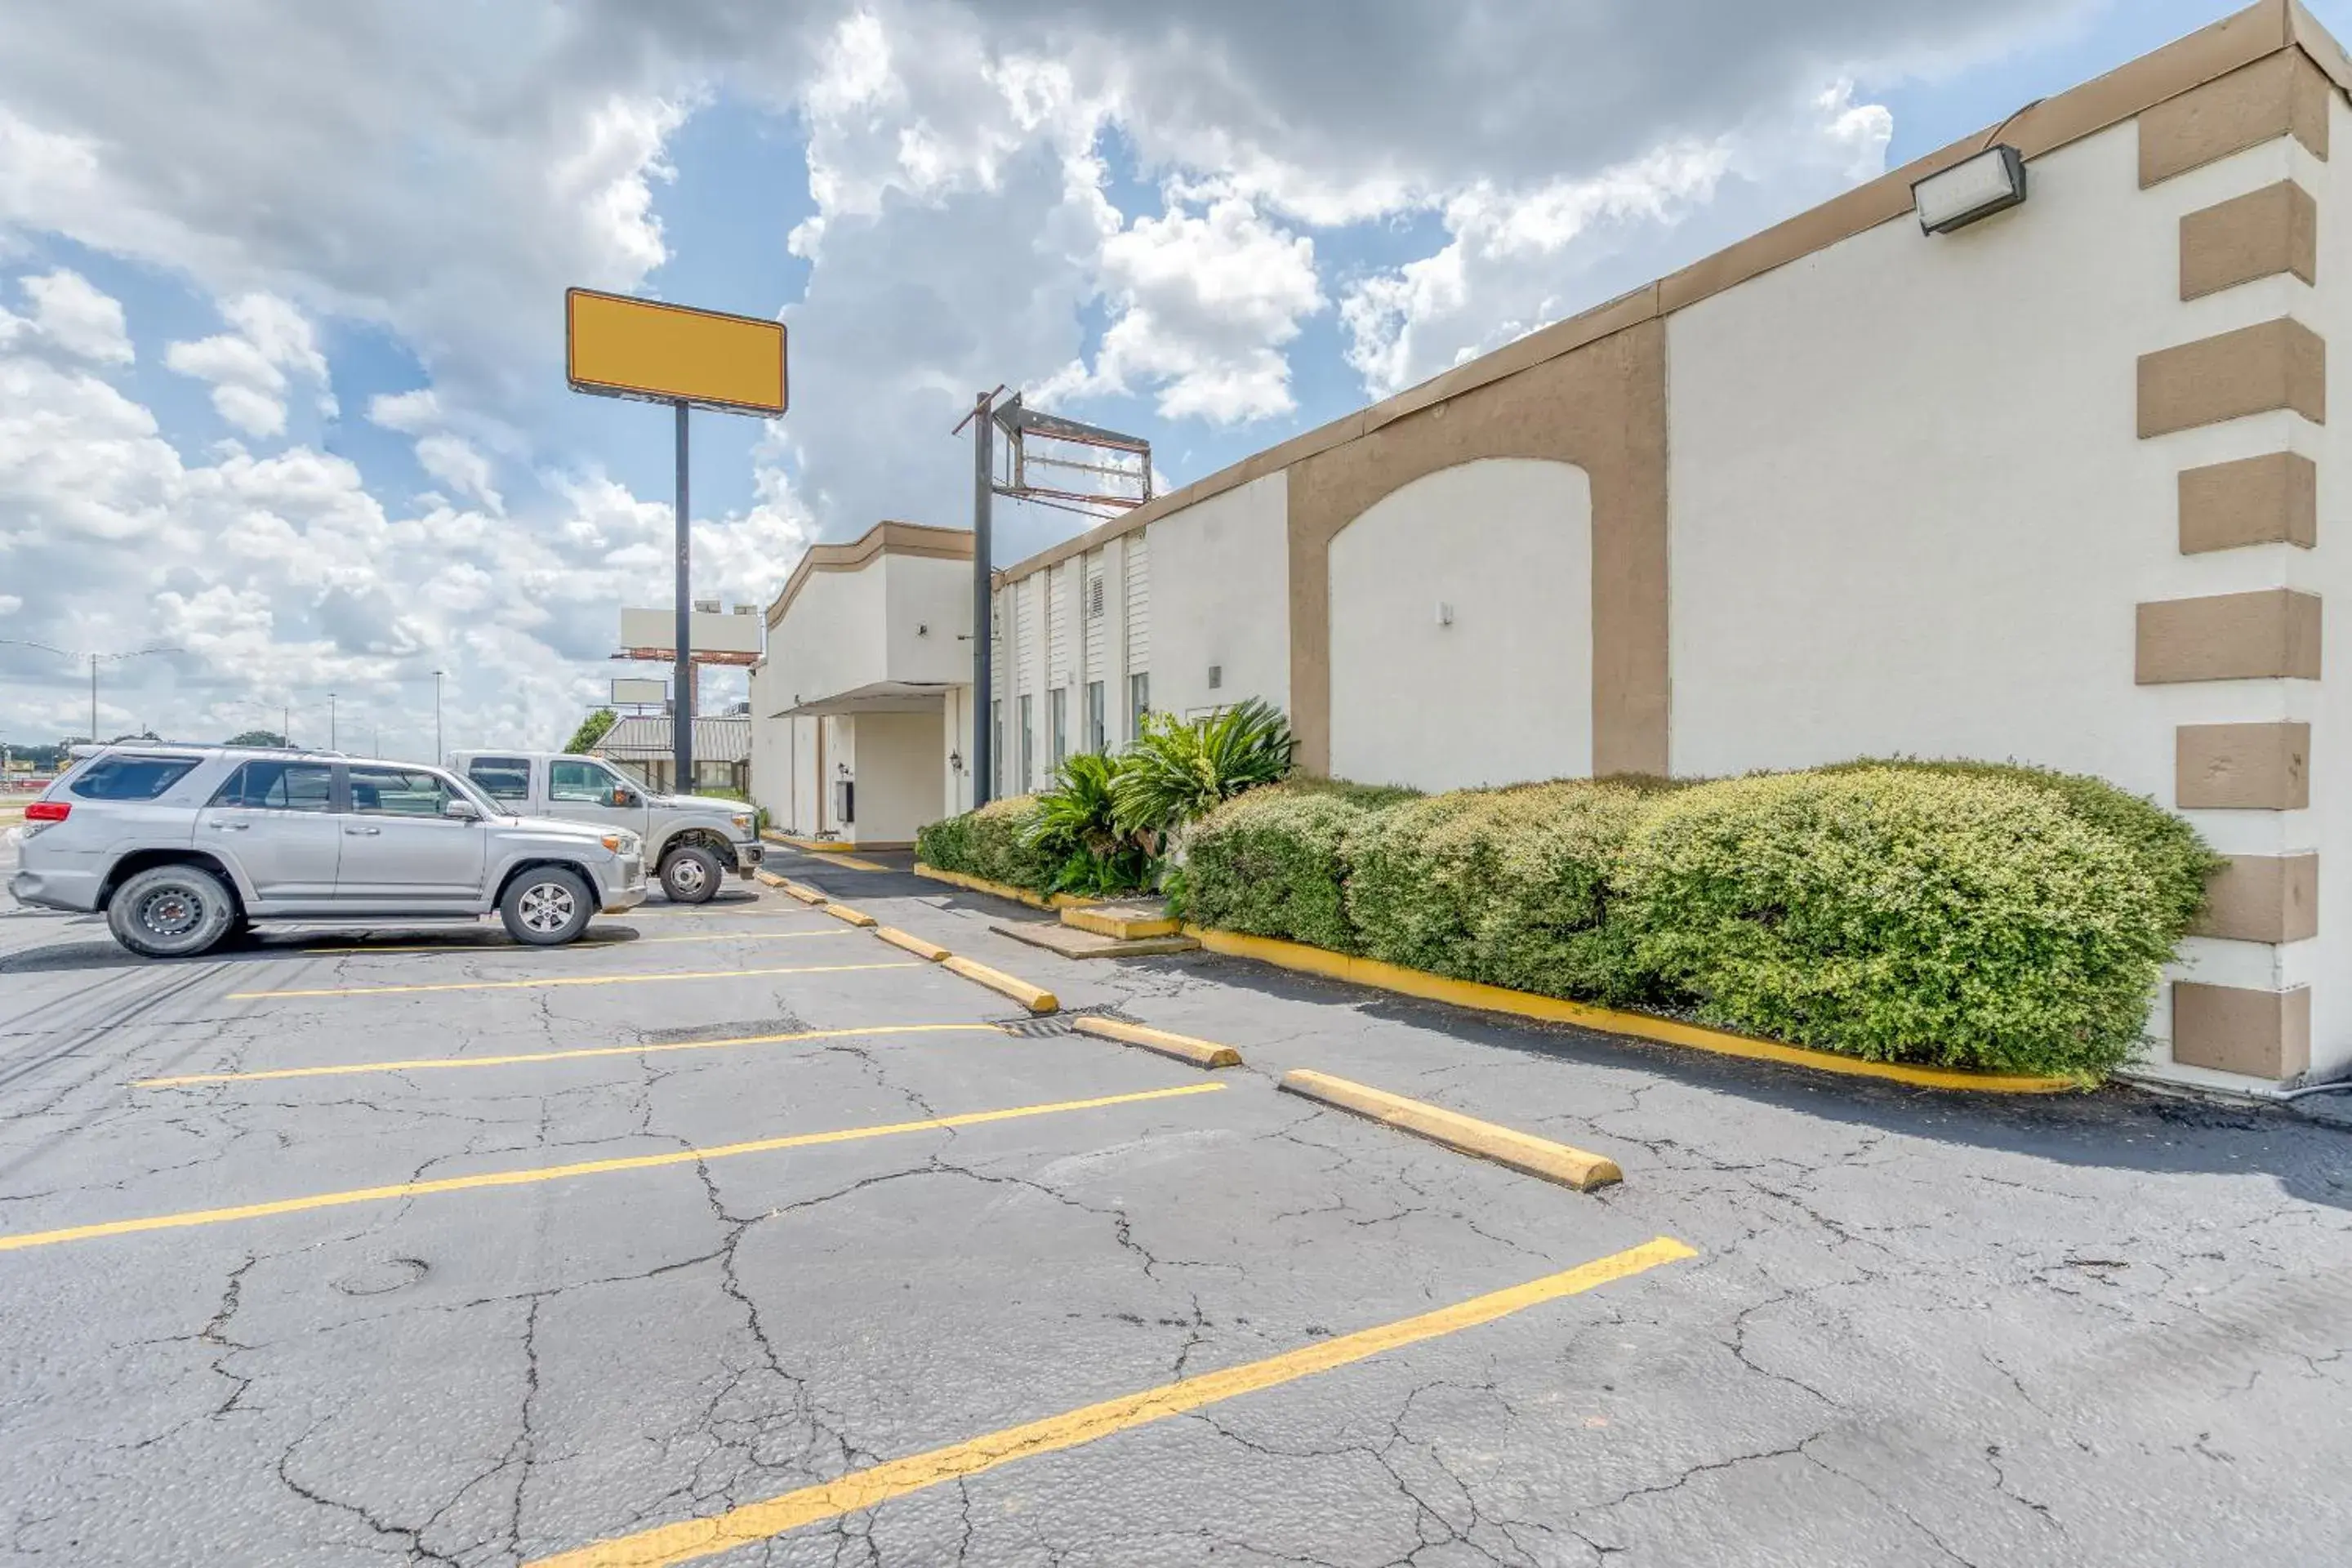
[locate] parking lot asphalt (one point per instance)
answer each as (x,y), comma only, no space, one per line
(736,1235)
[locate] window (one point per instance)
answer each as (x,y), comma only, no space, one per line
(582,784)
(996,747)
(280,786)
(398,792)
(1095,738)
(501,778)
(130,778)
(1057,724)
(1028,745)
(1138,703)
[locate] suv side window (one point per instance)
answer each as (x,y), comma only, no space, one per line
(501,778)
(588,783)
(280,786)
(130,778)
(398,792)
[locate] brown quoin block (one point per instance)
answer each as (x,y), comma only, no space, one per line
(2262,234)
(2270,500)
(2267,634)
(2283,95)
(2233,1029)
(2255,767)
(2259,369)
(2262,897)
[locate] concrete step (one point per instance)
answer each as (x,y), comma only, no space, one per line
(1071,942)
(1123,922)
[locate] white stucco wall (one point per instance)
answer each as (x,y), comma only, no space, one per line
(1502,694)
(1910,511)
(896,766)
(1220,580)
(927,613)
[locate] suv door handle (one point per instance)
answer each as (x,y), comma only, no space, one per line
(365,832)
(231,826)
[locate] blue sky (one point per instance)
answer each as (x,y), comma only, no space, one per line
(330,448)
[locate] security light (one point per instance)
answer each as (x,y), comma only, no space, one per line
(1993,180)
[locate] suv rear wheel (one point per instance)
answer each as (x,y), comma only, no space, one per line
(171,911)
(547,906)
(690,875)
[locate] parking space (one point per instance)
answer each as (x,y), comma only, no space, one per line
(739,1234)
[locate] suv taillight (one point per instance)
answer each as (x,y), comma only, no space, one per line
(49,811)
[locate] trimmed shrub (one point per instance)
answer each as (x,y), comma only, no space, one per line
(1952,916)
(1269,862)
(990,843)
(1508,887)
(2167,846)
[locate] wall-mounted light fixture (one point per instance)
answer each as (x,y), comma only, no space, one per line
(1444,613)
(1216,676)
(955,762)
(1993,180)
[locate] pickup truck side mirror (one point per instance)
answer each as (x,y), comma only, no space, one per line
(461,811)
(623,797)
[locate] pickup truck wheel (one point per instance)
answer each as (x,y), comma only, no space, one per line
(690,875)
(171,911)
(547,906)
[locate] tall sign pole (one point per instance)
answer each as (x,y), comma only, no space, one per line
(984,650)
(619,346)
(681,709)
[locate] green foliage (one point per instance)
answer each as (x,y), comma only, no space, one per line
(1177,769)
(990,843)
(1954,917)
(592,728)
(1270,862)
(258,738)
(1509,887)
(2181,862)
(1074,812)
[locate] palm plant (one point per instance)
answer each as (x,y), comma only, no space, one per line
(1177,769)
(1074,822)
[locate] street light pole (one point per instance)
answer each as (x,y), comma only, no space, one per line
(331,720)
(437,753)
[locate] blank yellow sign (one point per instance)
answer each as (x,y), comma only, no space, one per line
(644,348)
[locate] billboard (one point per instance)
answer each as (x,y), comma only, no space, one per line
(736,633)
(636,692)
(626,347)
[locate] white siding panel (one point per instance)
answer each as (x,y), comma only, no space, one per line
(1139,605)
(1095,614)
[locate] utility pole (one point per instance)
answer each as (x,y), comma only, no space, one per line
(93,699)
(437,753)
(331,720)
(984,650)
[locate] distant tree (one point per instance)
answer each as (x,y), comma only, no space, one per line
(591,729)
(258,738)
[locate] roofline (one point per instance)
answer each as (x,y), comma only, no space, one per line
(887,537)
(2256,33)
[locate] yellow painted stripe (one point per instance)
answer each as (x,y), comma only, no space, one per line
(563,980)
(429,1064)
(508,944)
(561,1173)
(1485,998)
(861,1489)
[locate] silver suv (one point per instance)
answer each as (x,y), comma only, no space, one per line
(182,846)
(691,840)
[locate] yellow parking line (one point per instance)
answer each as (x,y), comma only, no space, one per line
(878,1484)
(427,1064)
(559,1172)
(510,946)
(853,863)
(565,980)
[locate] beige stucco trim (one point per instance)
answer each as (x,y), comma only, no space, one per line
(2269,633)
(2241,767)
(2262,234)
(2235,1028)
(882,538)
(1602,408)
(2262,897)
(2259,32)
(2271,366)
(2285,94)
(2270,500)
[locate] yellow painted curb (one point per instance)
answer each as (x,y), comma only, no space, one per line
(1118,928)
(912,943)
(1520,1151)
(855,917)
(1606,1020)
(814,846)
(1003,889)
(1183,1047)
(802,891)
(1035,998)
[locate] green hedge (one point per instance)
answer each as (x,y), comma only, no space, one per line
(1267,862)
(989,843)
(1963,914)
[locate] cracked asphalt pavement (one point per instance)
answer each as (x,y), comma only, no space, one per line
(1918,1328)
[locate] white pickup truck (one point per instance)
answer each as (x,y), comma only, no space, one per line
(691,840)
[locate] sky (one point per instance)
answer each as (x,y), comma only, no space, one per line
(282,387)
